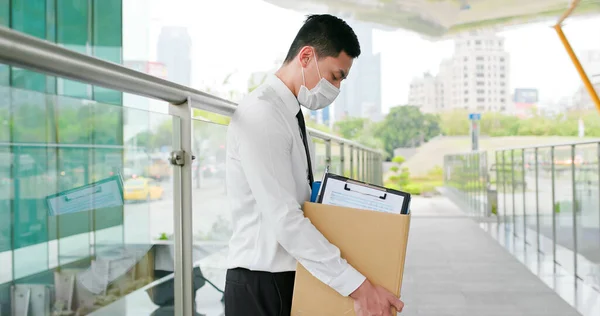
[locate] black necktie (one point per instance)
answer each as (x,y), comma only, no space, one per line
(302,125)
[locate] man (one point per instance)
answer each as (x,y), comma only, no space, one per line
(269,177)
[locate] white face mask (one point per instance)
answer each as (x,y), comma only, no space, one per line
(322,95)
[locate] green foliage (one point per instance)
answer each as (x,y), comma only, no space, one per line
(351,128)
(360,130)
(404,177)
(407,126)
(71,122)
(400,179)
(437,172)
(319,127)
(399,160)
(213,117)
(456,122)
(162,136)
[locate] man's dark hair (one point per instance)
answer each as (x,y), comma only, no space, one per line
(329,35)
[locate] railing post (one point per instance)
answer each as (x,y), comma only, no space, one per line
(504,187)
(575,207)
(512,175)
(480,183)
(524,198)
(358,164)
(472,180)
(553,169)
(598,171)
(327,152)
(364,165)
(351,161)
(469,179)
(484,182)
(369,166)
(342,159)
(182,203)
(380,169)
(537,201)
(497,185)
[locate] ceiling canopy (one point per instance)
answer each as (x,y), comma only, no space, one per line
(444,18)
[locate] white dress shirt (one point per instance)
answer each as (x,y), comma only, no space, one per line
(267,184)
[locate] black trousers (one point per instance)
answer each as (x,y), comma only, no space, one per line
(257,293)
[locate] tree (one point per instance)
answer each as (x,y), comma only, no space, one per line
(455,122)
(351,128)
(406,126)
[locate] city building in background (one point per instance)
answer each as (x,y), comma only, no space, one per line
(590,61)
(360,94)
(475,78)
(525,102)
(427,92)
(174,51)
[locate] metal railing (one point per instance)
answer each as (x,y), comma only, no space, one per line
(547,197)
(17,49)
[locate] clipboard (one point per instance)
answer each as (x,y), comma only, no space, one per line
(341,191)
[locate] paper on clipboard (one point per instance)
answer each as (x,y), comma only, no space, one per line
(356,195)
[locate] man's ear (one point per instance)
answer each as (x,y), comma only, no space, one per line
(305,55)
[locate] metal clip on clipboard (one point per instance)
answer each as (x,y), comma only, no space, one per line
(347,188)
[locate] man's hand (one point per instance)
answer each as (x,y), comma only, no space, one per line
(374,300)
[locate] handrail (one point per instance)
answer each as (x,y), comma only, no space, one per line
(26,51)
(585,142)
(22,50)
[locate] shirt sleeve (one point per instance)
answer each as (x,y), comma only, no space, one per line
(265,145)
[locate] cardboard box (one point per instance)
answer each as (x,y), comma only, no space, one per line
(372,242)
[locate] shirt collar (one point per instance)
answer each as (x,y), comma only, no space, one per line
(288,98)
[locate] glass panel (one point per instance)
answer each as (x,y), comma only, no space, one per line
(63,201)
(30,180)
(530,198)
(211,217)
(75,122)
(4,21)
(5,172)
(510,189)
(73,32)
(108,42)
(28,17)
(518,189)
(499,176)
(6,185)
(546,200)
(564,208)
(588,212)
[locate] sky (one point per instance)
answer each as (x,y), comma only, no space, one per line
(240,37)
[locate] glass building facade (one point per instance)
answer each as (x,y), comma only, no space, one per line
(56,137)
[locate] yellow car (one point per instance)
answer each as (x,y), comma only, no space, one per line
(142,189)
